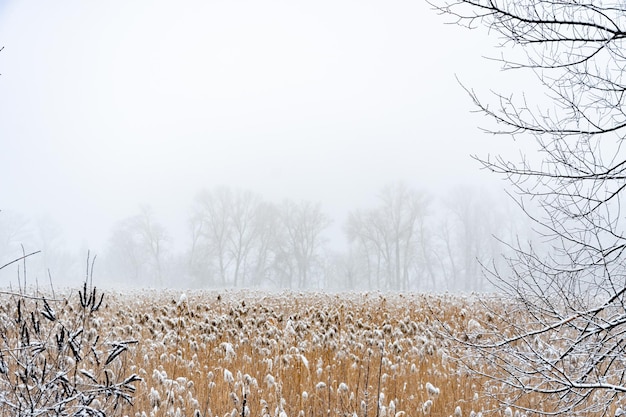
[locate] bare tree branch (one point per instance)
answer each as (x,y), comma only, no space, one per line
(562,335)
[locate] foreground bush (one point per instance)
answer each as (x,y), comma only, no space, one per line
(55,360)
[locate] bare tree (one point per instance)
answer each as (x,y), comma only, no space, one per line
(212,223)
(16,235)
(245,241)
(225,228)
(563,337)
(14,230)
(153,237)
(389,236)
(368,246)
(124,258)
(346,270)
(139,244)
(245,226)
(267,226)
(298,251)
(471,216)
(55,259)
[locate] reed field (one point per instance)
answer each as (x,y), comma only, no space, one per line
(229,354)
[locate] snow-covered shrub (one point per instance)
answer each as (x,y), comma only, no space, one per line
(54,361)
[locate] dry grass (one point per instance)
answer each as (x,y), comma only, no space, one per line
(247,354)
(302,354)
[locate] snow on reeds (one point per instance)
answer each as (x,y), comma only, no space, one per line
(241,354)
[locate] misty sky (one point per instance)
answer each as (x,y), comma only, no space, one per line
(108,105)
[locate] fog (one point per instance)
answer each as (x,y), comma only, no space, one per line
(115,109)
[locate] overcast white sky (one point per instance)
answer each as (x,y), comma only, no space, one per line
(108,105)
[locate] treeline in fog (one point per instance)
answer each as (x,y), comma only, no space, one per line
(408,240)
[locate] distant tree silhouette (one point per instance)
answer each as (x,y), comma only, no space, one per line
(389,236)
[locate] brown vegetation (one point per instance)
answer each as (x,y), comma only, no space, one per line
(305,354)
(288,354)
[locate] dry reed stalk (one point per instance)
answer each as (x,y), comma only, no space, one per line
(309,355)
